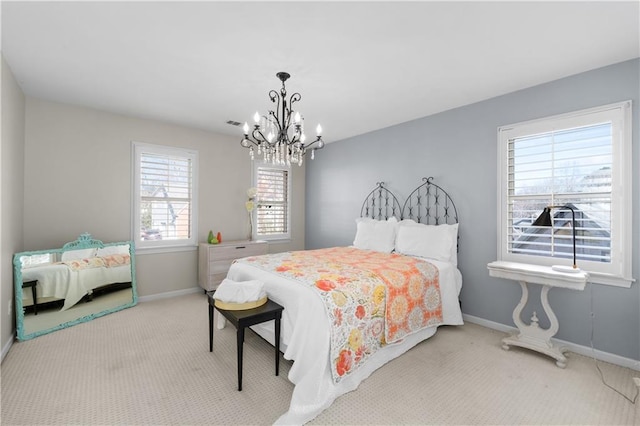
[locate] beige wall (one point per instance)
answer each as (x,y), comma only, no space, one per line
(11,190)
(78,179)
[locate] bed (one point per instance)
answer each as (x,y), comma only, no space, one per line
(76,274)
(345,321)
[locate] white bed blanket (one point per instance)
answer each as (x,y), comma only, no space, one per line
(305,338)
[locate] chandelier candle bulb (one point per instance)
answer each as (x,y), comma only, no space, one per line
(319,130)
(256,117)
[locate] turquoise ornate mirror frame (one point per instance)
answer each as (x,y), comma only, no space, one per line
(83,280)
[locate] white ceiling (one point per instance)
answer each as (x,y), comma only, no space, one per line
(359,66)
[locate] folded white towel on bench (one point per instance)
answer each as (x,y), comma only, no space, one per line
(230,291)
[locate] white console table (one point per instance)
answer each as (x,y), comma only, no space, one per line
(532,336)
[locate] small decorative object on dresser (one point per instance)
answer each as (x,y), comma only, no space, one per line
(214,260)
(211,239)
(250,205)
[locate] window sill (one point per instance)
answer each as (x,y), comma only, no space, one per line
(275,240)
(610,280)
(593,277)
(166,249)
(537,274)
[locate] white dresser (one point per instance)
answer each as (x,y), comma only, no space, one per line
(214,260)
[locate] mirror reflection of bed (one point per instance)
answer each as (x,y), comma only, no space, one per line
(49,314)
(81,281)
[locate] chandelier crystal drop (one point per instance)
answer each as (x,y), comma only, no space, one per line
(278,137)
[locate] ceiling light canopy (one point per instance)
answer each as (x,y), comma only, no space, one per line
(279,136)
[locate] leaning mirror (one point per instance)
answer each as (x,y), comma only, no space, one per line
(83,280)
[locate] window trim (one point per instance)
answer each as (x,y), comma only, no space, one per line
(162,246)
(620,269)
(283,237)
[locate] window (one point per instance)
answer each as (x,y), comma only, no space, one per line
(581,160)
(37,260)
(272,213)
(164,191)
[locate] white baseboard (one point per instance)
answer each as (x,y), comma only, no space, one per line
(169,294)
(573,347)
(6,347)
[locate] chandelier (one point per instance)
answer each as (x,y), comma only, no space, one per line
(279,136)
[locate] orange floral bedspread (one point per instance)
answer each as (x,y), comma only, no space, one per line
(371,298)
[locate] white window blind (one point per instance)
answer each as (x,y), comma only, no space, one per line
(165,201)
(565,167)
(272,209)
(578,160)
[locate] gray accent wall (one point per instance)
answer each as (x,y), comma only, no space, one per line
(459,149)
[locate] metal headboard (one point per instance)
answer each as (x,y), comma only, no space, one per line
(430,204)
(380,204)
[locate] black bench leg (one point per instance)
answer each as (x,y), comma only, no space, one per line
(35,300)
(277,325)
(210,328)
(240,336)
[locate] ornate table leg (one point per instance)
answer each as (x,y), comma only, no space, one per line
(532,336)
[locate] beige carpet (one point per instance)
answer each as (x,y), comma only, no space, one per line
(151,365)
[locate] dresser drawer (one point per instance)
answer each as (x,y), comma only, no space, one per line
(214,260)
(220,266)
(236,251)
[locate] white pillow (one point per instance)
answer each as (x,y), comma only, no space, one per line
(378,235)
(439,242)
(109,250)
(78,254)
